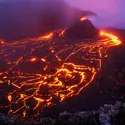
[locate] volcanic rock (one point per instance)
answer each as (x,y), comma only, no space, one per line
(82,30)
(123,70)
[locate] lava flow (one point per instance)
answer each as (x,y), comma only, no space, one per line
(41,72)
(83,18)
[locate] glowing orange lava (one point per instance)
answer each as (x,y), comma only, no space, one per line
(83,18)
(33,59)
(1,42)
(62,33)
(115,40)
(64,70)
(46,37)
(43,60)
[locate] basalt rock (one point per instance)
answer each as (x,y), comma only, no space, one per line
(82,30)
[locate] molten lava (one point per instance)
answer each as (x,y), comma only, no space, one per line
(33,59)
(66,69)
(43,60)
(46,37)
(83,18)
(1,42)
(115,40)
(62,33)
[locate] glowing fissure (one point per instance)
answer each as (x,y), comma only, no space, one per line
(83,18)
(65,70)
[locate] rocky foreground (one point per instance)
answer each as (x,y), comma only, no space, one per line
(106,115)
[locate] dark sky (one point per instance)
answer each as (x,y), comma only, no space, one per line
(111,12)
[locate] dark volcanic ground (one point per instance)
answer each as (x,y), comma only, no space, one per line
(107,88)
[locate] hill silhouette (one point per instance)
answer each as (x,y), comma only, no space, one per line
(21,19)
(82,30)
